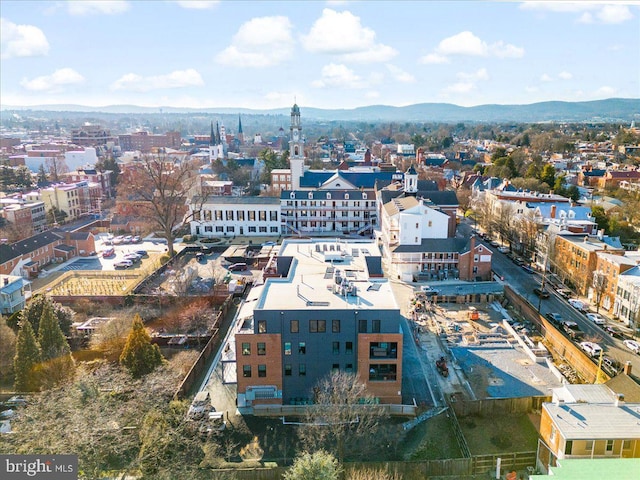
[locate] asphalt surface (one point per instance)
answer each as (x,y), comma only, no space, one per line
(524,283)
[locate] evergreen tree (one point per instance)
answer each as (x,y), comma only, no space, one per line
(548,174)
(33,313)
(52,341)
(27,357)
(140,356)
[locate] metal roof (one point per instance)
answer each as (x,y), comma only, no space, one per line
(595,421)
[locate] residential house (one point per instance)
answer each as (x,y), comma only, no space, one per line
(605,283)
(613,178)
(13,294)
(226,216)
(626,303)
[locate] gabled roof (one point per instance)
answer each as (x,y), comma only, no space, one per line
(322,194)
(313,179)
(436,197)
(595,421)
(443,245)
(28,245)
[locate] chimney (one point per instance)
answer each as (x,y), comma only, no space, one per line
(559,401)
(619,399)
(553,211)
(627,368)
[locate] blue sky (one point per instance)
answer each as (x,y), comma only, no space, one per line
(327,54)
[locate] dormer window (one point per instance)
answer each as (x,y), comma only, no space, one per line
(328,196)
(292,195)
(310,195)
(346,196)
(364,196)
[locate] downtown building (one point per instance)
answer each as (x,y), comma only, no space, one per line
(324,306)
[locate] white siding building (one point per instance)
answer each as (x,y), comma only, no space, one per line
(230,216)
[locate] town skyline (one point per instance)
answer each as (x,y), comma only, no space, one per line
(265,55)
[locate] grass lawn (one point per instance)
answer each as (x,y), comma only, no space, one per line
(506,433)
(431,440)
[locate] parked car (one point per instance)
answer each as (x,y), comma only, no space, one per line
(572,329)
(108,253)
(142,253)
(127,239)
(119,240)
(632,345)
(613,331)
(123,264)
(429,290)
(493,243)
(136,239)
(611,365)
(554,317)
(134,257)
(238,267)
(596,318)
(592,348)
(563,292)
(577,304)
(541,293)
(503,249)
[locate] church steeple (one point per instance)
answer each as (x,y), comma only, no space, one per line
(411,181)
(240,133)
(296,148)
(212,138)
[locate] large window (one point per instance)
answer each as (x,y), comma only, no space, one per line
(375,326)
(317,326)
(246,349)
(287,370)
(335,326)
(348,348)
(302,348)
(262,370)
(262,348)
(383,350)
(287,348)
(294,326)
(335,347)
(246,370)
(262,326)
(302,369)
(362,326)
(382,373)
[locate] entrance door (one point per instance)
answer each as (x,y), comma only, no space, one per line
(241,230)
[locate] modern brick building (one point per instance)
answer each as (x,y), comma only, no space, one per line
(324,306)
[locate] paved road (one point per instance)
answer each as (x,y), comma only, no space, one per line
(524,283)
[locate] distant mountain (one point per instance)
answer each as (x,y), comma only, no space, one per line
(612,109)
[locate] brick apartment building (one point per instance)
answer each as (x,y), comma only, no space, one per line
(324,306)
(145,142)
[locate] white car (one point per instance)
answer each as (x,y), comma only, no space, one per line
(632,345)
(597,319)
(577,304)
(591,348)
(123,264)
(503,249)
(429,290)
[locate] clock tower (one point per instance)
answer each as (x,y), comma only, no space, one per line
(296,148)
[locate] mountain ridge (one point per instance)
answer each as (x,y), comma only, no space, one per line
(611,109)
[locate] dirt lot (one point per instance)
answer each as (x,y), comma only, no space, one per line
(504,434)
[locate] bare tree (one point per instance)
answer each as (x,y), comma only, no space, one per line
(599,285)
(344,418)
(56,167)
(161,188)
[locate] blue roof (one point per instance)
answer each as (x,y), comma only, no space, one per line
(313,179)
(12,287)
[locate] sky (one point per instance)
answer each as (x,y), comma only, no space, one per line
(325,54)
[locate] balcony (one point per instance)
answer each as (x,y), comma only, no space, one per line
(379,350)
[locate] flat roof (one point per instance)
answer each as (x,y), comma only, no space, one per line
(595,421)
(328,274)
(596,469)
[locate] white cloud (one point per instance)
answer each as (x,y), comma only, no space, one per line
(463,43)
(605,91)
(433,58)
(372,94)
(341,33)
(338,75)
(54,82)
(531,89)
(198,4)
(175,79)
(468,44)
(21,40)
(481,74)
(97,7)
(260,42)
(546,78)
(565,76)
(603,11)
(400,75)
(460,88)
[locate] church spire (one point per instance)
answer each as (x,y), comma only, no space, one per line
(212,138)
(239,124)
(217,134)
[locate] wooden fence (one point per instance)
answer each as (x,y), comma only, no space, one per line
(498,406)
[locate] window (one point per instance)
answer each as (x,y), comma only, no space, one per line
(552,437)
(626,444)
(240,215)
(336,348)
(375,326)
(382,372)
(274,229)
(229,214)
(246,370)
(287,348)
(302,369)
(609,448)
(335,326)
(294,326)
(262,215)
(348,347)
(252,215)
(287,370)
(246,349)
(262,370)
(362,326)
(273,216)
(252,229)
(348,367)
(317,326)
(302,348)
(263,229)
(589,445)
(262,326)
(230,229)
(220,229)
(335,367)
(262,348)
(568,446)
